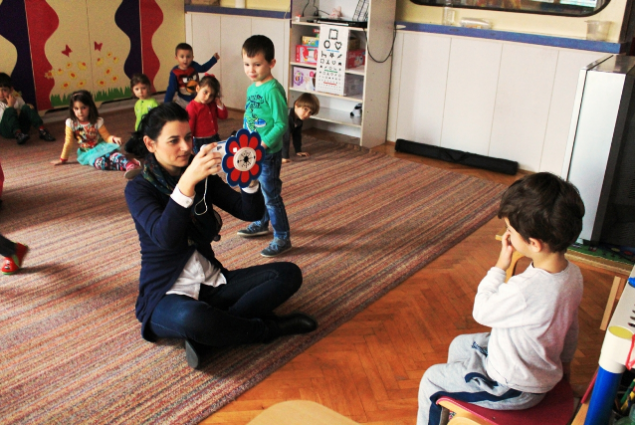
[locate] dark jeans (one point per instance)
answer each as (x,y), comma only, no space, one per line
(229,314)
(11,121)
(7,247)
(271,189)
(200,141)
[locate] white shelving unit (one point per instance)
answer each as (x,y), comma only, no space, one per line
(335,110)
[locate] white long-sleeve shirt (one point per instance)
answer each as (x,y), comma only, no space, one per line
(198,270)
(534,321)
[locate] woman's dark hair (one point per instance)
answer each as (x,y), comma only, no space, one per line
(211,82)
(152,124)
(139,78)
(86,98)
(543,206)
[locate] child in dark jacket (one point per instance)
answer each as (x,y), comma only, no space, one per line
(305,106)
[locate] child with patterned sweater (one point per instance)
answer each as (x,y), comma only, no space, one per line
(533,317)
(96,146)
(184,77)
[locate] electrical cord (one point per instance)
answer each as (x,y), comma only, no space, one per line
(394,37)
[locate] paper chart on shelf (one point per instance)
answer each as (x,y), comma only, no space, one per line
(331,62)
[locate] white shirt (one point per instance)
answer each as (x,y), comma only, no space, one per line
(534,321)
(198,270)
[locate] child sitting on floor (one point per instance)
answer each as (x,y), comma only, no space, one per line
(304,106)
(533,317)
(96,146)
(205,111)
(17,117)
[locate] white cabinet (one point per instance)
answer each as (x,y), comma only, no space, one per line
(209,33)
(495,98)
(335,110)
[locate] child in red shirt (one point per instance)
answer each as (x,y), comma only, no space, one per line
(205,111)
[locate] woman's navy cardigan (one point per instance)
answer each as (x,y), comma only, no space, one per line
(163,227)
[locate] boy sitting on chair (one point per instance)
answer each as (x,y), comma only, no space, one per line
(533,317)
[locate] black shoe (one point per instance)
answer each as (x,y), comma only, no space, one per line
(21,138)
(295,323)
(46,136)
(193,354)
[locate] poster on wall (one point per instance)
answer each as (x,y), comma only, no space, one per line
(331,61)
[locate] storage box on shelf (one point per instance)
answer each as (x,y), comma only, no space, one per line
(366,82)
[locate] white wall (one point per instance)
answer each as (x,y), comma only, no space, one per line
(501,99)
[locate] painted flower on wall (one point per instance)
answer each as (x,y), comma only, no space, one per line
(72,75)
(60,71)
(101,83)
(115,79)
(82,65)
(49,74)
(243,158)
(81,84)
(115,59)
(65,85)
(108,71)
(100,61)
(69,65)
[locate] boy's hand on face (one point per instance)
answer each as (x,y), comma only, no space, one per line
(217,56)
(507,250)
(10,99)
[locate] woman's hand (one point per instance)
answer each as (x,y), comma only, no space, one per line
(206,163)
(116,140)
(505,257)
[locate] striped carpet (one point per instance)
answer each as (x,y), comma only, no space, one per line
(71,350)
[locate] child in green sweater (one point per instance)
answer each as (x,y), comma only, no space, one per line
(266,113)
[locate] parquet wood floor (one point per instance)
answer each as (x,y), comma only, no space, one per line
(369,369)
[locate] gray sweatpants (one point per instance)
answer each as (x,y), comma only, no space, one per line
(464,377)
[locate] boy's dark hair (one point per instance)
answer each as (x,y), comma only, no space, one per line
(259,44)
(5,81)
(87,99)
(310,101)
(183,46)
(212,82)
(152,124)
(139,78)
(544,207)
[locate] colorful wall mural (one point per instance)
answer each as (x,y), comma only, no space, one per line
(53,47)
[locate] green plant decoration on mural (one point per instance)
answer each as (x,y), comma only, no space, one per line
(100,96)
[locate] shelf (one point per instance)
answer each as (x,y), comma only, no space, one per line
(360,70)
(355,98)
(312,24)
(337,116)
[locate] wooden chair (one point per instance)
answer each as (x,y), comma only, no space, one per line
(555,409)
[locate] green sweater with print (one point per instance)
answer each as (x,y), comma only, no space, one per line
(266,113)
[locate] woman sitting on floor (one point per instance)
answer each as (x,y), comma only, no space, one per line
(184,291)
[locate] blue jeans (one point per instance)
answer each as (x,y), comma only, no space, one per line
(229,314)
(198,142)
(271,189)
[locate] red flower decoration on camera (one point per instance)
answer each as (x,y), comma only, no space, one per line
(243,158)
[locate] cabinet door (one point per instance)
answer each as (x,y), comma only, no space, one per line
(275,30)
(471,94)
(206,40)
(234,32)
(423,80)
(522,104)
